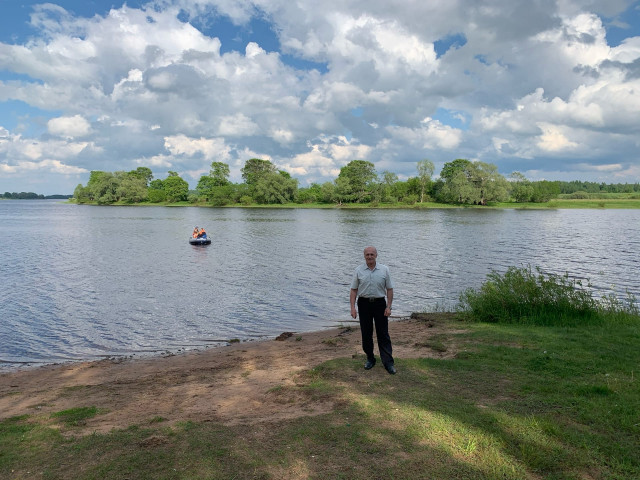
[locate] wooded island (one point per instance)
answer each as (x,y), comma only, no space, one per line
(461,182)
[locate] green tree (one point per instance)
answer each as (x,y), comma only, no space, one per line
(208,185)
(132,189)
(425,172)
(490,186)
(457,187)
(142,173)
(81,194)
(458,165)
(219,173)
(205,186)
(222,195)
(175,188)
(310,194)
(388,181)
(544,190)
(102,187)
(400,191)
(472,183)
(356,181)
(413,186)
(156,191)
(328,192)
(256,168)
(521,189)
(275,187)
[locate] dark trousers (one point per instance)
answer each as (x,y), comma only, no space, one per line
(371,312)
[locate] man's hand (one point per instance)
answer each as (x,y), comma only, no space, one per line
(354,313)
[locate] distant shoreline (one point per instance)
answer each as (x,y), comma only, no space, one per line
(559,204)
(556,204)
(40,197)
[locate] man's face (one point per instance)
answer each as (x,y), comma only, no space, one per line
(370,255)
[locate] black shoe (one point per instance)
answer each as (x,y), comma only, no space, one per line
(391,369)
(369,365)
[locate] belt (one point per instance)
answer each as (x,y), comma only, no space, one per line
(371,299)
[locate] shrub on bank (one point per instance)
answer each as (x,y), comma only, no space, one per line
(522,295)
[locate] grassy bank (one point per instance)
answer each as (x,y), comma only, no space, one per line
(515,402)
(511,401)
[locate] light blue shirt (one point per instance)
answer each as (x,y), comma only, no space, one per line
(372,283)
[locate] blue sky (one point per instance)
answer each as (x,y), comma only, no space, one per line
(547,88)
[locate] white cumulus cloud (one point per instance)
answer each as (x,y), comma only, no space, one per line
(70,127)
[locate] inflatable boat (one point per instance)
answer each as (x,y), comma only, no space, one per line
(200,241)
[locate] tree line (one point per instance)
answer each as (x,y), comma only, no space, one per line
(460,182)
(32,196)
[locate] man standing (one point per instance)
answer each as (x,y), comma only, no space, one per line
(371,283)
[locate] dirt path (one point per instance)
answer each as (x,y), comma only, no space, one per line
(240,383)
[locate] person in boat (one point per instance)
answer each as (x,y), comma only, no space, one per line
(202,233)
(195,232)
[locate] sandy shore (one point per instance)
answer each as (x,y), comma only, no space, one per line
(239,383)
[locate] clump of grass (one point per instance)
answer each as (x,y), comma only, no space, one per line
(623,311)
(435,345)
(74,417)
(334,341)
(528,296)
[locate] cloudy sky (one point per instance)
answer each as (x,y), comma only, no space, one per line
(550,88)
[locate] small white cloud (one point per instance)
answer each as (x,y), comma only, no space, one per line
(237,125)
(612,167)
(326,155)
(162,80)
(253,50)
(56,166)
(162,161)
(69,127)
(282,136)
(431,134)
(553,139)
(209,148)
(6,168)
(44,166)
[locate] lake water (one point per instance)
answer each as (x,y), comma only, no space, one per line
(83,282)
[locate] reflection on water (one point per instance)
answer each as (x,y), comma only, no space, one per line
(117,280)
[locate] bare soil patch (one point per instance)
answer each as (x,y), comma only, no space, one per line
(243,383)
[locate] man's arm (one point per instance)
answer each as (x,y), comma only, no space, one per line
(352,300)
(387,311)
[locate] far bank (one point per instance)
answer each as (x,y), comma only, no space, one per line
(604,203)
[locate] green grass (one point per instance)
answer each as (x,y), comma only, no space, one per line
(515,402)
(595,203)
(600,195)
(76,416)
